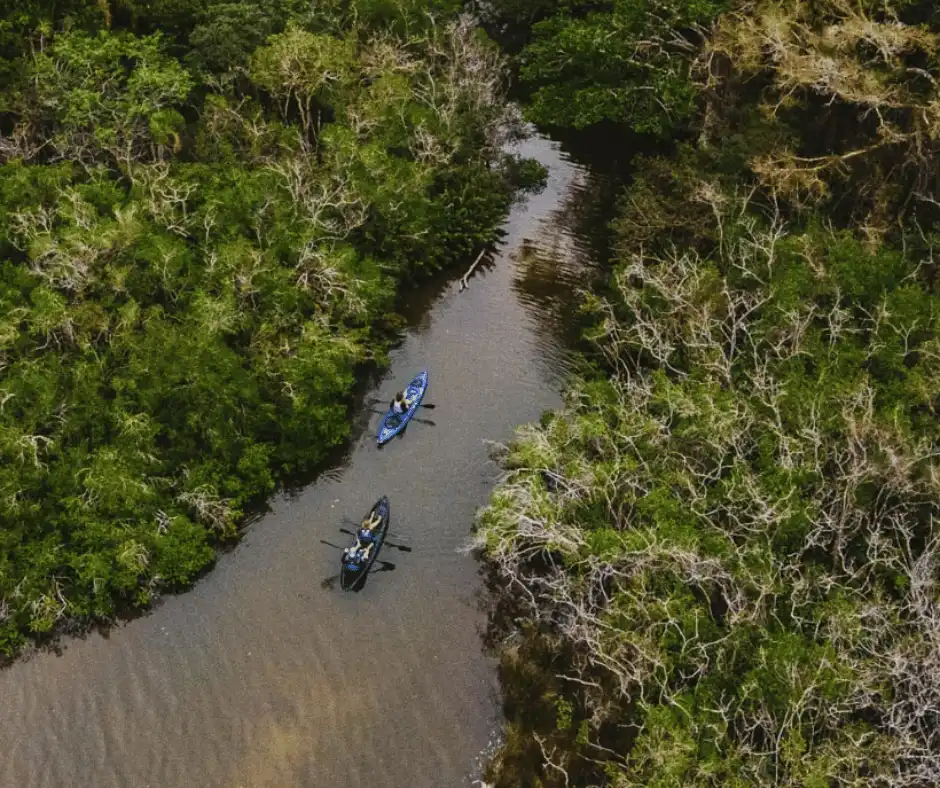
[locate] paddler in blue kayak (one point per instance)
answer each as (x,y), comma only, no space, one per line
(401,403)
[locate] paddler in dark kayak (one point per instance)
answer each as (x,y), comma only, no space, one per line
(365,540)
(353,555)
(401,403)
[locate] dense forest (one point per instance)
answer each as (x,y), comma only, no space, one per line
(206,212)
(718,563)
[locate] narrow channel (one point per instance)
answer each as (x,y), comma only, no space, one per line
(260,676)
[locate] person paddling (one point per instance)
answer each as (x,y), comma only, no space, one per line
(353,555)
(401,403)
(365,539)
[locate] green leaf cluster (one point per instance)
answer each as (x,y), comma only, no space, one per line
(626,61)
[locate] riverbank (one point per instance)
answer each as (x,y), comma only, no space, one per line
(717,563)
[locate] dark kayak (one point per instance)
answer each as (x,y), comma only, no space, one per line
(393,423)
(350,575)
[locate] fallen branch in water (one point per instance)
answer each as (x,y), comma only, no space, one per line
(463,280)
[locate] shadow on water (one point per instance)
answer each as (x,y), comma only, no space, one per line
(330,582)
(574,251)
(607,152)
(383,566)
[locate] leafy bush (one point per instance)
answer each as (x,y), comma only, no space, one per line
(627,61)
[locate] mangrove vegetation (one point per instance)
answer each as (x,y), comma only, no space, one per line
(718,563)
(206,212)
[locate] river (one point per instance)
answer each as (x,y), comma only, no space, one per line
(261,675)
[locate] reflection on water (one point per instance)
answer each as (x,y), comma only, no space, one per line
(557,261)
(265,674)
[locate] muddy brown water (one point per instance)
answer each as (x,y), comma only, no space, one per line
(259,675)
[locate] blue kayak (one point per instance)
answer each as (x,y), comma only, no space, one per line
(350,574)
(393,423)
